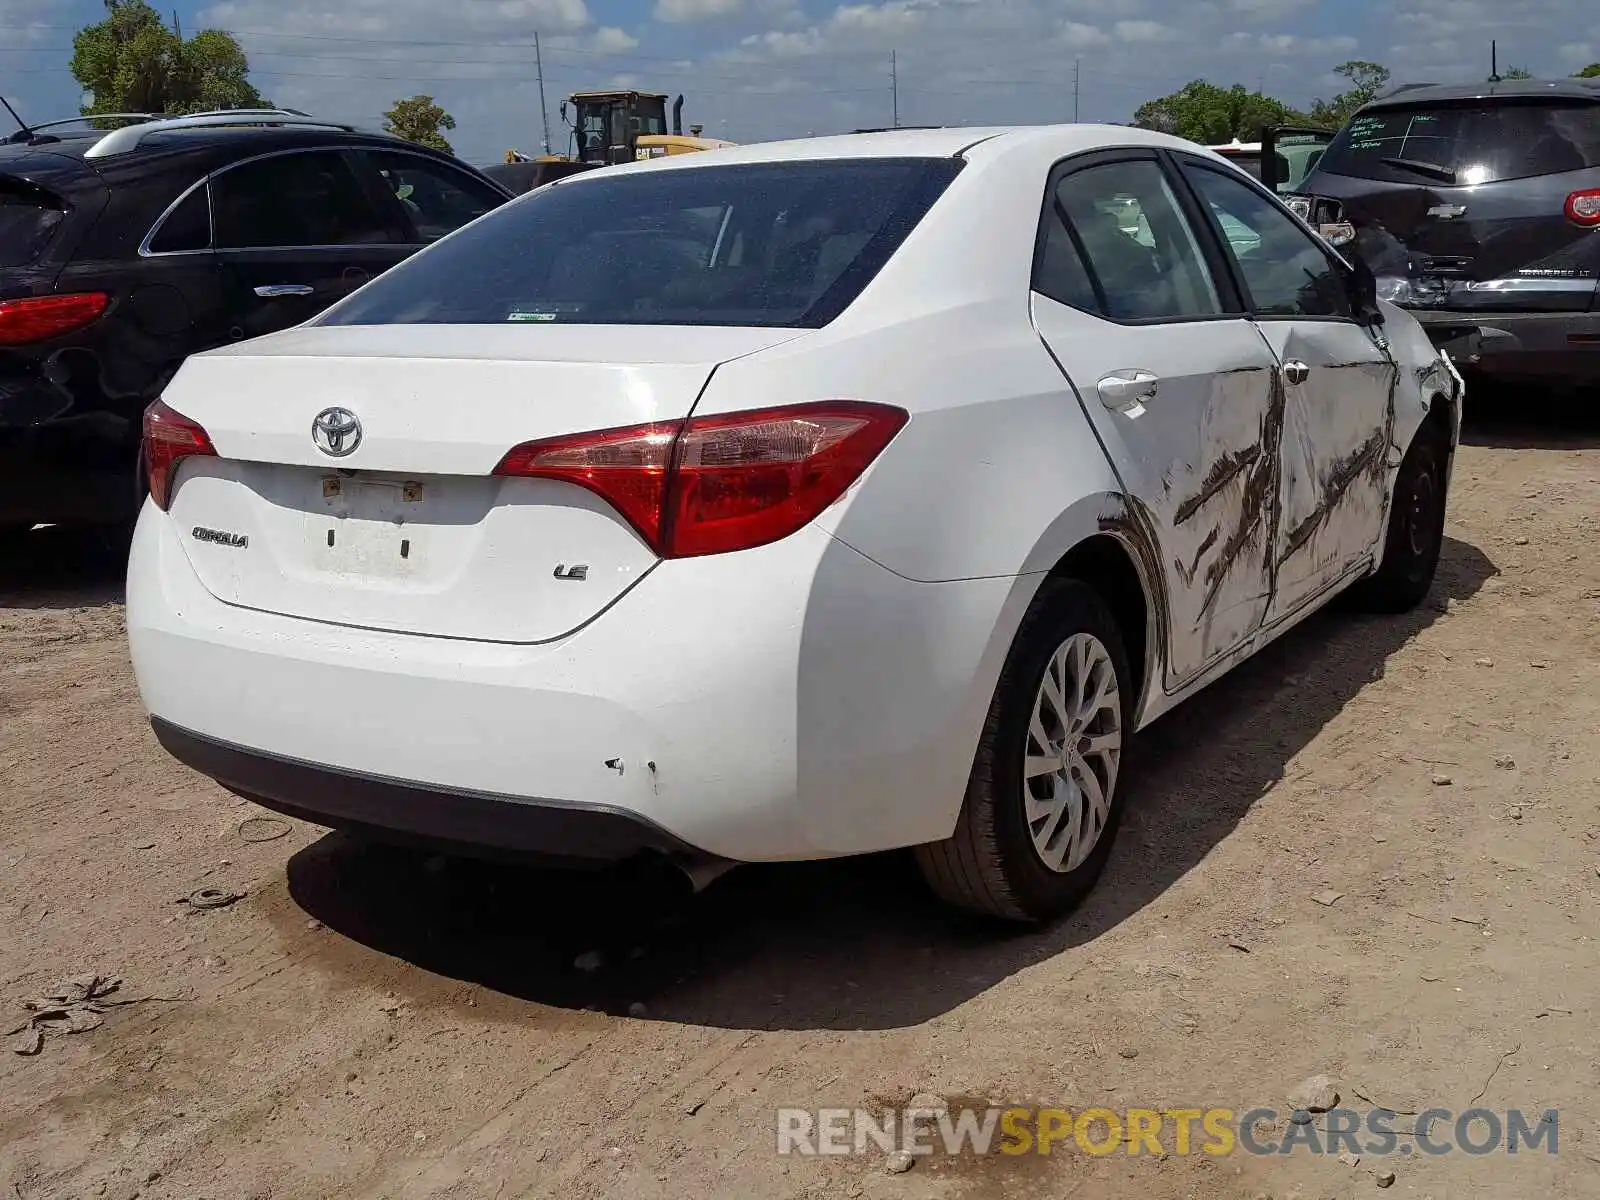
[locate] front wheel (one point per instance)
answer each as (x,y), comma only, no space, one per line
(1041,812)
(1415,534)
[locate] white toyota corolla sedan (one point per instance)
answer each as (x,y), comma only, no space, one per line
(784,502)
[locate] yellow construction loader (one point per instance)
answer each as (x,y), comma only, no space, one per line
(606,128)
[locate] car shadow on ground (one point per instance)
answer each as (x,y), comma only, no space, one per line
(54,567)
(855,944)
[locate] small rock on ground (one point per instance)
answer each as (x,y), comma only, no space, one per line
(898,1163)
(1316,1094)
(1383,1178)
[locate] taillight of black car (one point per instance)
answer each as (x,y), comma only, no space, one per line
(1583,208)
(40,318)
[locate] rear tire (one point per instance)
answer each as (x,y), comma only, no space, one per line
(1415,534)
(1041,810)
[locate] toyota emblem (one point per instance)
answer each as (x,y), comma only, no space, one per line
(336,431)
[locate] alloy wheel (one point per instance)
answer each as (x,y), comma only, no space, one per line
(1074,748)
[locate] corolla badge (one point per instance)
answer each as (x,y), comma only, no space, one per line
(336,431)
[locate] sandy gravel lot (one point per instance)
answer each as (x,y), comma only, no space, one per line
(374,1024)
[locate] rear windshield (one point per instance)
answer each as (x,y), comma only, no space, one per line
(1467,144)
(766,244)
(29,218)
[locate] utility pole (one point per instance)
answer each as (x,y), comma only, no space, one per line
(894,86)
(1077,64)
(544,113)
(177,25)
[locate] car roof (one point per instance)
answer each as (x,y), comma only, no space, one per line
(1506,89)
(942,142)
(76,143)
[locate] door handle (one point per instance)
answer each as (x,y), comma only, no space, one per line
(1124,389)
(271,291)
(1296,371)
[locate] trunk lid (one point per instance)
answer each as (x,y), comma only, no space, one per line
(410,531)
(1462,205)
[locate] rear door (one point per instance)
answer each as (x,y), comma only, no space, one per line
(432,197)
(1140,312)
(295,232)
(1337,384)
(1462,206)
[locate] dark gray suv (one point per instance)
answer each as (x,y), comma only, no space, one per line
(1478,208)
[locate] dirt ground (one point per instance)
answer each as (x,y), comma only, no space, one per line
(366,1023)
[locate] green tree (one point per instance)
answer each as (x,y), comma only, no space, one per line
(419,120)
(1516,73)
(131,62)
(1592,71)
(1211,115)
(1367,79)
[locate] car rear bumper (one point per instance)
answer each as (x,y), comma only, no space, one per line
(794,701)
(1557,345)
(513,825)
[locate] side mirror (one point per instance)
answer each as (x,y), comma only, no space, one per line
(1364,291)
(1337,233)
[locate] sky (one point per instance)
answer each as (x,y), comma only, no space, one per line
(755,70)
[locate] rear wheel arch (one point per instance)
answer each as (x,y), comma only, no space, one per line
(1106,564)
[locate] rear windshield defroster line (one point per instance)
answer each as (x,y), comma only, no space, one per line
(784,245)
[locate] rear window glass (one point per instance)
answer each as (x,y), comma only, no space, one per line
(187,227)
(1467,144)
(763,244)
(29,218)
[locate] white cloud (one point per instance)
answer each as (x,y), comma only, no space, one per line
(682,11)
(610,40)
(785,44)
(1266,10)
(894,17)
(1145,31)
(1579,54)
(1288,43)
(1077,36)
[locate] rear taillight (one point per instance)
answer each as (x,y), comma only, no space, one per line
(1583,208)
(40,318)
(169,438)
(715,484)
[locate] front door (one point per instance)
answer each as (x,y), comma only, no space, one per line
(1177,383)
(296,232)
(1338,386)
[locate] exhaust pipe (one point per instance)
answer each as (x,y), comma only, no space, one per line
(677,116)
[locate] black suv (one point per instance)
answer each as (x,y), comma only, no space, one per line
(1478,208)
(124,250)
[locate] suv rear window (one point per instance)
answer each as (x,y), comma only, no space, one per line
(29,218)
(1467,144)
(766,244)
